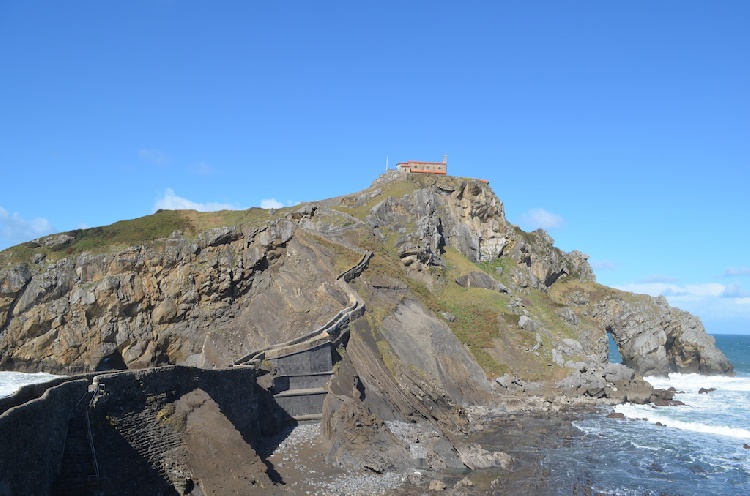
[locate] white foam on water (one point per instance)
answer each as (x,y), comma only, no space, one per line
(10,382)
(663,417)
(694,382)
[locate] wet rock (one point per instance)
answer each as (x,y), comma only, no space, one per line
(615,372)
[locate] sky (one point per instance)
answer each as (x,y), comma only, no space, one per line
(622,128)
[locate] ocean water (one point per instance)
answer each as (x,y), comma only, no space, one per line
(678,450)
(10,382)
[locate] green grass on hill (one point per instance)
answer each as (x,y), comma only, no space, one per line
(134,232)
(395,189)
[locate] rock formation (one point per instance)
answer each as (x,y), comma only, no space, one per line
(455,298)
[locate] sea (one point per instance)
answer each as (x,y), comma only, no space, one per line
(700,448)
(686,450)
(10,382)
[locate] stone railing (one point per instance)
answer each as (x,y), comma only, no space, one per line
(335,325)
(37,426)
(358,268)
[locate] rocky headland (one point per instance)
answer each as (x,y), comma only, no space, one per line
(435,318)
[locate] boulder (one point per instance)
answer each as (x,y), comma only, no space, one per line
(477,280)
(476,457)
(526,323)
(437,485)
(615,372)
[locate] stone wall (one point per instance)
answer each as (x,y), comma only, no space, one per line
(33,433)
(358,268)
(33,391)
(234,390)
(142,433)
(310,361)
(33,438)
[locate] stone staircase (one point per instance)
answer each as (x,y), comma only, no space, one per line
(300,380)
(77,471)
(157,443)
(303,366)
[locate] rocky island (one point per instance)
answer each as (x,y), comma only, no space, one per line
(396,326)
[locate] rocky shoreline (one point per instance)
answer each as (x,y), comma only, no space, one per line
(514,436)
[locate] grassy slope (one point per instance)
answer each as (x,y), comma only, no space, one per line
(484,323)
(143,230)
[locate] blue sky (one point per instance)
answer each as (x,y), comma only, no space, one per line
(623,128)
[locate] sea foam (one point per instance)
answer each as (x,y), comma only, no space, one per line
(720,412)
(10,382)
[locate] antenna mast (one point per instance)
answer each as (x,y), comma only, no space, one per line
(386,163)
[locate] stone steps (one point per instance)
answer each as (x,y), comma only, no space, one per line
(304,381)
(77,463)
(301,392)
(308,419)
(301,402)
(159,445)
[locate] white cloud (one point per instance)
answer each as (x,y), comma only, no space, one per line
(707,300)
(735,291)
(170,201)
(538,217)
(737,271)
(274,203)
(271,203)
(689,290)
(153,156)
(15,229)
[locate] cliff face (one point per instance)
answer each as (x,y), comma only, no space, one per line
(202,301)
(653,337)
(206,298)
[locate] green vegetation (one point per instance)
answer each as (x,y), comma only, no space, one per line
(477,311)
(166,412)
(141,231)
(506,264)
(344,258)
(386,353)
(486,324)
(168,416)
(395,189)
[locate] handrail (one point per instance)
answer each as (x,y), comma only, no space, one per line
(67,425)
(91,434)
(341,315)
(356,269)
